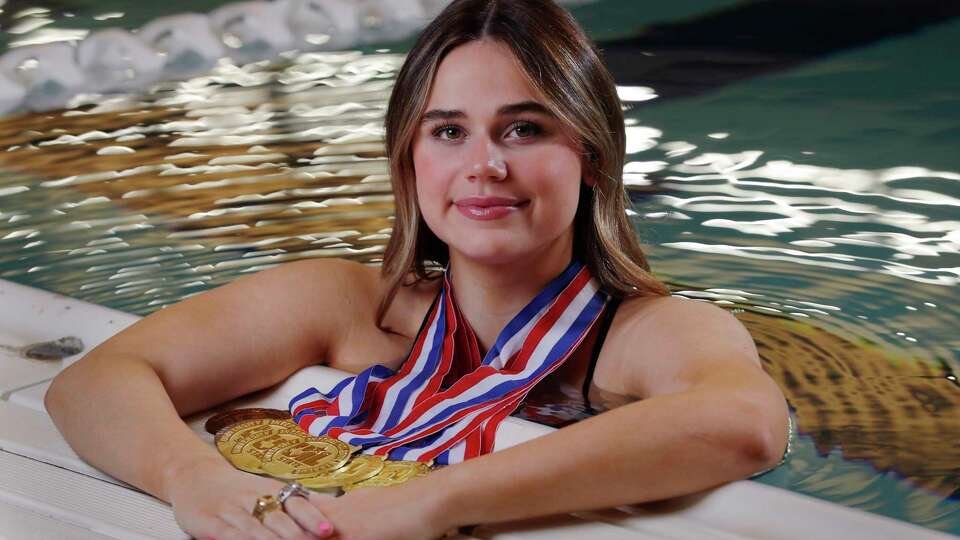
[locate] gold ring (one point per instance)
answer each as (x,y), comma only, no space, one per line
(265,504)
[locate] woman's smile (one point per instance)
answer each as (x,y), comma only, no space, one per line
(488,208)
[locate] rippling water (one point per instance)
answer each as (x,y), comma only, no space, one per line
(820,204)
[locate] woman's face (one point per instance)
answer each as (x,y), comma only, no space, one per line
(497,178)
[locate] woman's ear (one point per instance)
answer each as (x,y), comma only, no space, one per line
(588,165)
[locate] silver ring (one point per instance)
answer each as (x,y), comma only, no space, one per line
(292,489)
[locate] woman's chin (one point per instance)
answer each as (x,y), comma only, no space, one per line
(505,247)
(492,254)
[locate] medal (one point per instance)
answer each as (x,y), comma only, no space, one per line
(252,455)
(280,449)
(393,473)
(228,418)
(357,469)
(310,457)
(230,440)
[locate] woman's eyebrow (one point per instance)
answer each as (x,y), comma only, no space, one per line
(522,107)
(513,108)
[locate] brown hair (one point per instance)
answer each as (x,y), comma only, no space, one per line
(561,63)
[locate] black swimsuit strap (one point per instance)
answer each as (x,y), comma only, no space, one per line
(608,314)
(423,324)
(426,316)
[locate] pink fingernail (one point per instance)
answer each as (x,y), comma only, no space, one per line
(324,528)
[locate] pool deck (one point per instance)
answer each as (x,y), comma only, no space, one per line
(49,492)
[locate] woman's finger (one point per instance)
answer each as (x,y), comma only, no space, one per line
(308,516)
(319,499)
(284,526)
(225,532)
(250,525)
(219,529)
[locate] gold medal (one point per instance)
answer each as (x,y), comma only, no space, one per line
(311,457)
(359,468)
(225,419)
(230,441)
(253,454)
(393,473)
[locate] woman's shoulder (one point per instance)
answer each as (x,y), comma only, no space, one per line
(339,279)
(410,304)
(673,316)
(345,295)
(660,342)
(360,288)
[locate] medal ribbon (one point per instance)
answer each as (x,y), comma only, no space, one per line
(445,402)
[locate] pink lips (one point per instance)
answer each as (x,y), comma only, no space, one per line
(486,208)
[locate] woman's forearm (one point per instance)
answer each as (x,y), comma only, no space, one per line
(653,449)
(115,413)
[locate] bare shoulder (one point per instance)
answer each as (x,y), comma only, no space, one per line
(352,294)
(409,306)
(346,298)
(334,290)
(340,293)
(323,274)
(668,344)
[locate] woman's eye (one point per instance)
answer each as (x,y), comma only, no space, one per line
(446,130)
(525,130)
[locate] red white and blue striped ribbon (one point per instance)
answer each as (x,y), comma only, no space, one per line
(445,403)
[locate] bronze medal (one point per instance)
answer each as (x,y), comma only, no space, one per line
(228,418)
(359,468)
(311,457)
(393,473)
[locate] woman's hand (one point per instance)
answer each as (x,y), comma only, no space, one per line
(211,499)
(411,511)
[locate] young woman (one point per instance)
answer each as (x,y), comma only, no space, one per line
(506,144)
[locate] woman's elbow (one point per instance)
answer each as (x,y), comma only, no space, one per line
(54,401)
(763,441)
(74,383)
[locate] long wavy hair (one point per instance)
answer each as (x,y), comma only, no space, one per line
(563,65)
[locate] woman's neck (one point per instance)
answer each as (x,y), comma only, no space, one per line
(489,295)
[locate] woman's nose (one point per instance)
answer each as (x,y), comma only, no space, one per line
(486,163)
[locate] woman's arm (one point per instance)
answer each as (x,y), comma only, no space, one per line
(648,450)
(119,407)
(711,416)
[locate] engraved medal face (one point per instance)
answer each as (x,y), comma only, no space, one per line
(359,468)
(393,473)
(226,419)
(310,457)
(231,441)
(252,455)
